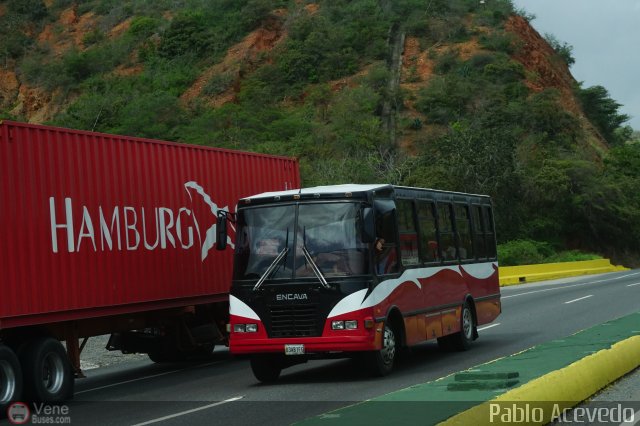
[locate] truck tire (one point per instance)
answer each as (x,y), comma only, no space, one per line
(266,368)
(10,379)
(166,351)
(48,376)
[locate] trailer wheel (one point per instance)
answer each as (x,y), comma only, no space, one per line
(10,378)
(380,363)
(266,368)
(48,376)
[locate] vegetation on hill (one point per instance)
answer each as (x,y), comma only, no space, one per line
(474,110)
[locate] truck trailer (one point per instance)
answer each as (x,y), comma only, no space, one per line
(107,234)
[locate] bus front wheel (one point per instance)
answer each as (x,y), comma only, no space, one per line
(266,368)
(380,362)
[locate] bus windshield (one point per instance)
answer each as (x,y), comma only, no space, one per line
(330,233)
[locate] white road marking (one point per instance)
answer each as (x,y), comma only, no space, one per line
(560,287)
(575,300)
(184,413)
(633,285)
(547,289)
(625,276)
(144,378)
(489,326)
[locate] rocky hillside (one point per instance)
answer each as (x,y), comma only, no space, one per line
(78,28)
(458,94)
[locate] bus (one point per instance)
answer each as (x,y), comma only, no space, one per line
(358,271)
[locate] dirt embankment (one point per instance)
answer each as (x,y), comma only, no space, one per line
(545,70)
(35,104)
(241,58)
(549,71)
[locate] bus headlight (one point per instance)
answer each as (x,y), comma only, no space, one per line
(245,328)
(351,325)
(337,325)
(344,325)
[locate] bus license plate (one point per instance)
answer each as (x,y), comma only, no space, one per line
(294,349)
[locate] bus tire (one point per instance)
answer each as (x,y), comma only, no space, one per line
(48,376)
(266,368)
(380,362)
(10,379)
(461,341)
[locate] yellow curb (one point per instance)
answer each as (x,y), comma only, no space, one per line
(563,388)
(511,275)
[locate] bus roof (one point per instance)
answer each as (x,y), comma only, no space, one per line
(341,190)
(322,190)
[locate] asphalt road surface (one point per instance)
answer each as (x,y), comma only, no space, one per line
(224,391)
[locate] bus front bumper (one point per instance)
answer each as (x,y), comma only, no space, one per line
(310,345)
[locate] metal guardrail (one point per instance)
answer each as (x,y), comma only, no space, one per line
(510,275)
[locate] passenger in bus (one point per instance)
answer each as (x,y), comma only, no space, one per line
(432,250)
(384,257)
(449,253)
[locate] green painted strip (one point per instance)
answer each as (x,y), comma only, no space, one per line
(435,401)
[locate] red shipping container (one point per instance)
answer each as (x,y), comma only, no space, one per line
(95,224)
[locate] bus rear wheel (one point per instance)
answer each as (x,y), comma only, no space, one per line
(460,341)
(266,368)
(380,363)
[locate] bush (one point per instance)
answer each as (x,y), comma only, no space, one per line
(445,99)
(504,70)
(564,50)
(446,62)
(187,34)
(494,12)
(529,252)
(33,10)
(499,41)
(571,256)
(523,252)
(143,26)
(93,37)
(218,84)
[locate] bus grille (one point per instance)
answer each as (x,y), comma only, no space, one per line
(294,321)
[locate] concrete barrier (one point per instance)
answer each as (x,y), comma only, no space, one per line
(555,392)
(510,275)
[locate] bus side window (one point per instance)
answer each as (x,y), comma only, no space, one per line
(490,235)
(445,230)
(386,257)
(463,227)
(478,227)
(428,238)
(408,233)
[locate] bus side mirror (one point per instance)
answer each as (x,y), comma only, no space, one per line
(368,227)
(221,230)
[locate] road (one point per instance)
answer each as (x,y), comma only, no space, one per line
(224,391)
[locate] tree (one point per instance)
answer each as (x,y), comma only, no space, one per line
(562,49)
(602,111)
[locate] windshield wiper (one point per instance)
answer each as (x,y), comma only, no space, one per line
(314,266)
(271,267)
